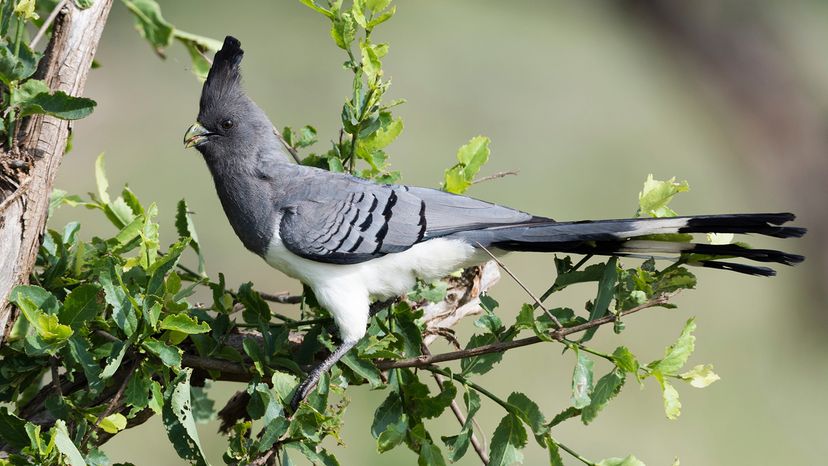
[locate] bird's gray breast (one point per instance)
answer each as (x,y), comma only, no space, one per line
(247,202)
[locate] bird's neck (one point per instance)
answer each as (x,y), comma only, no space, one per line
(246,195)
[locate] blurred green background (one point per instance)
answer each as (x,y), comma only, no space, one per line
(584,99)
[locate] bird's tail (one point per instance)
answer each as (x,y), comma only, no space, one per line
(648,236)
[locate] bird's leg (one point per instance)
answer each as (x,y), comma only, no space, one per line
(313,377)
(309,383)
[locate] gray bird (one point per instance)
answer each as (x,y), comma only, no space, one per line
(352,240)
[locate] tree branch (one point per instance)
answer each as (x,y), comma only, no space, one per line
(424,360)
(64,67)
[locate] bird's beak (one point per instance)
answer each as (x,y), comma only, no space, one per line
(195,135)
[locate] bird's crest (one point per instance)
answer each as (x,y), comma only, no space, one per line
(224,78)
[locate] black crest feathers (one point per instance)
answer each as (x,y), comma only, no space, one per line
(224,77)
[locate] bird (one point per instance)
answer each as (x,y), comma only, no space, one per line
(352,240)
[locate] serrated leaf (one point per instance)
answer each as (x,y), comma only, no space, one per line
(185,324)
(343,30)
(507,441)
(628,461)
(91,369)
(430,455)
(363,368)
(471,157)
(654,197)
(186,229)
(554,453)
(606,291)
(114,360)
(700,376)
(672,405)
(482,363)
(625,360)
(169,355)
(179,422)
(17,68)
(34,97)
(677,354)
(459,444)
(123,312)
(581,380)
(150,24)
(65,445)
(312,5)
(137,390)
(605,389)
(81,305)
(528,411)
(390,423)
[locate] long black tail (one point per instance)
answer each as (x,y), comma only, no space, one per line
(635,237)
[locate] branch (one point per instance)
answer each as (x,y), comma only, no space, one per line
(495,176)
(64,67)
(424,360)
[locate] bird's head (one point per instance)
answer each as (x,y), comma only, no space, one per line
(228,120)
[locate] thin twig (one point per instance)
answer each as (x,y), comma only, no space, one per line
(422,361)
(515,278)
(232,371)
(13,196)
(49,19)
(495,176)
(289,148)
(117,398)
(282,297)
(458,413)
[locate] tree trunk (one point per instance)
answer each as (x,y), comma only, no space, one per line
(27,171)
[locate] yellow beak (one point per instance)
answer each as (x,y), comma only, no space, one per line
(195,135)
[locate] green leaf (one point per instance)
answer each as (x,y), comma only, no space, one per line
(316,454)
(17,68)
(606,389)
(13,429)
(581,380)
(186,229)
(677,354)
(625,360)
(508,439)
(185,324)
(160,268)
(654,197)
(119,349)
(25,9)
(675,279)
(113,423)
(672,405)
(700,376)
(84,4)
(568,413)
(554,454)
(628,461)
(471,158)
(35,97)
(312,5)
(606,291)
(343,30)
(482,363)
(363,368)
(65,445)
(137,390)
(179,422)
(169,355)
(36,298)
(81,305)
(528,411)
(150,24)
(198,47)
(123,311)
(78,349)
(390,423)
(459,444)
(430,455)
(100,179)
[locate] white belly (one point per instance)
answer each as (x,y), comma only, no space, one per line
(345,289)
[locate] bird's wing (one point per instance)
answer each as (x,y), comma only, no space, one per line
(350,220)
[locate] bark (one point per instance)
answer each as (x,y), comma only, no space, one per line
(27,170)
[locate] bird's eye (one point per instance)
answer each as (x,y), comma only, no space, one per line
(226,124)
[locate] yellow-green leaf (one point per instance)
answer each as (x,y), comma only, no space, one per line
(654,197)
(700,376)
